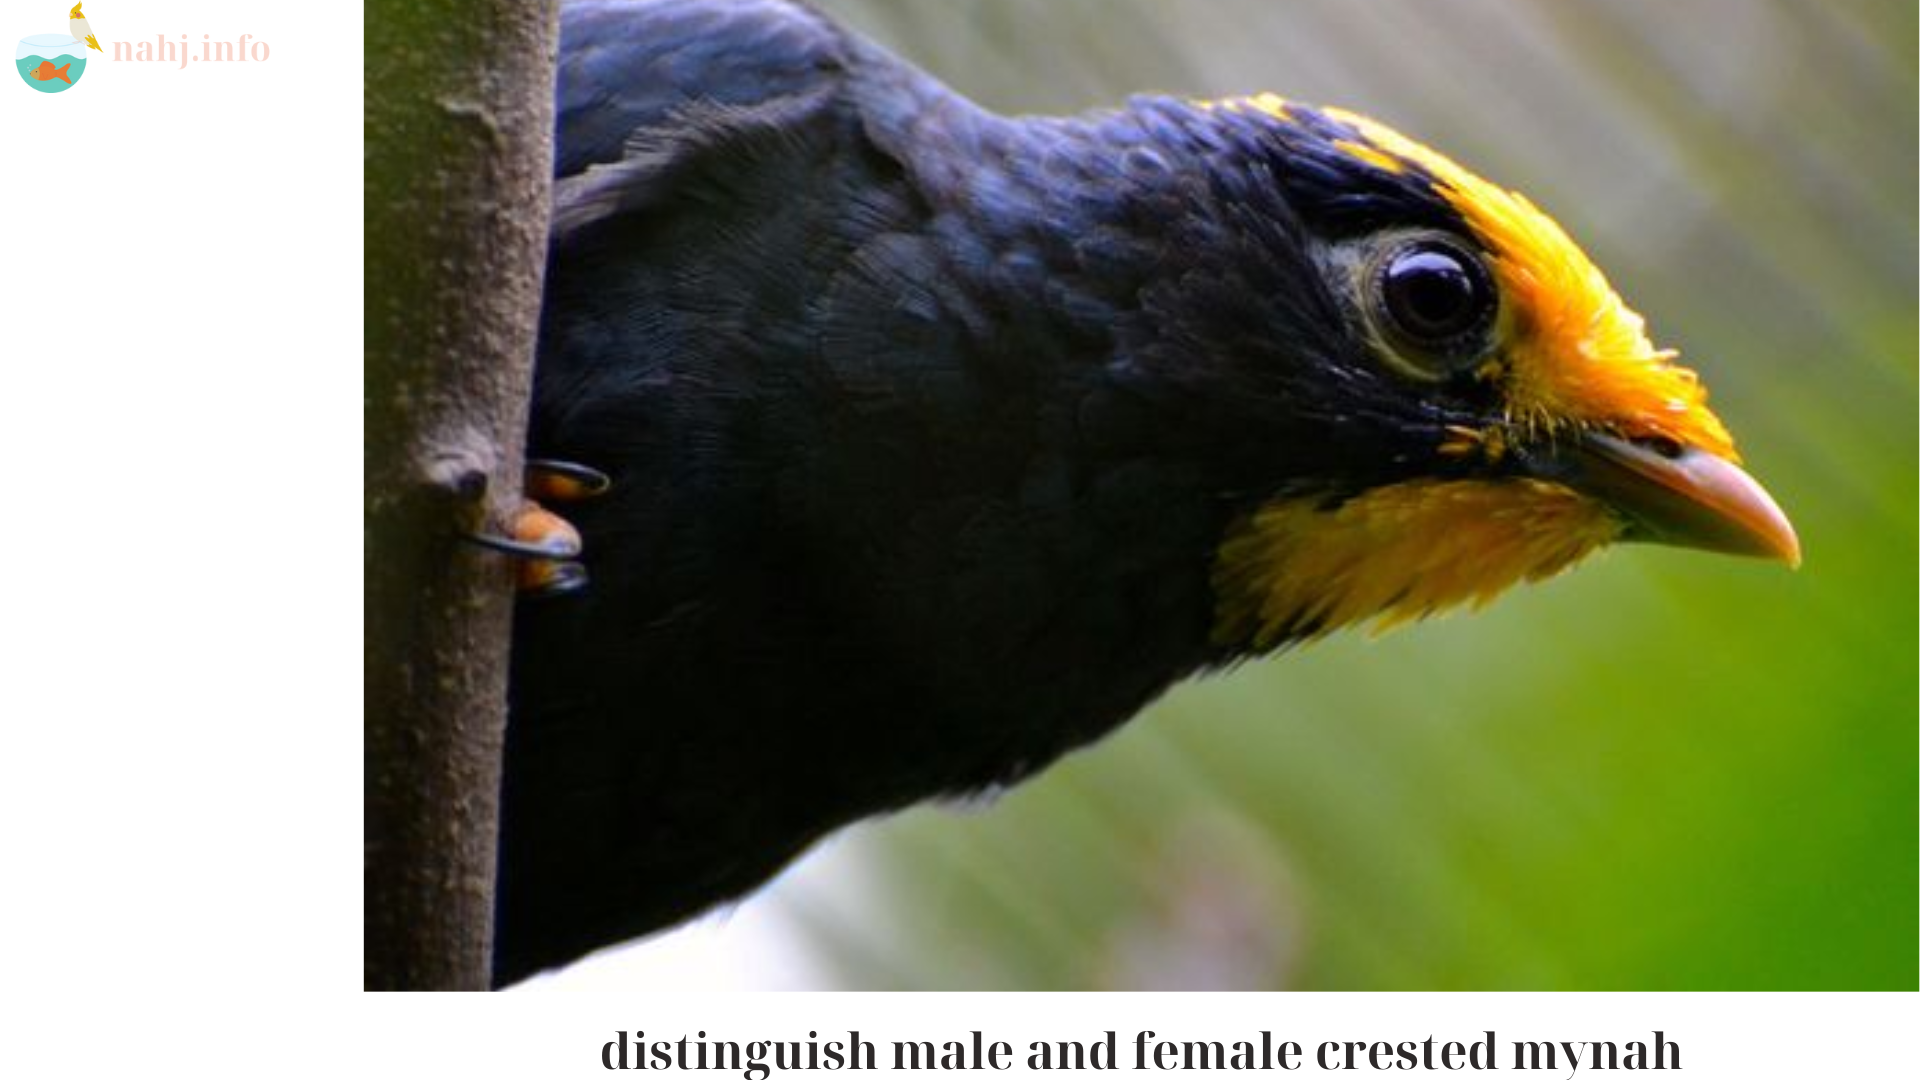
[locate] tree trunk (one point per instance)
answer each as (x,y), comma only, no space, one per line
(459,117)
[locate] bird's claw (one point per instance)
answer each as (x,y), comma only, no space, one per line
(564,481)
(545,544)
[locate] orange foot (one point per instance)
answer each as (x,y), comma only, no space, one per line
(545,544)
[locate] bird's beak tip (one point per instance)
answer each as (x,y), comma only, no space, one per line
(1689,499)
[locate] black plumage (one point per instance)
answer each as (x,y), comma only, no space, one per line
(924,426)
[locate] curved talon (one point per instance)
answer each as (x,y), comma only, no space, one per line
(564,481)
(545,543)
(549,577)
(533,533)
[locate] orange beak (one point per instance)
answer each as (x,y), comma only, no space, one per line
(1689,499)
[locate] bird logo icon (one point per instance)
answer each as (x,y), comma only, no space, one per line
(77,24)
(51,63)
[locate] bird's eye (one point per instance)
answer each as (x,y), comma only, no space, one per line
(1436,300)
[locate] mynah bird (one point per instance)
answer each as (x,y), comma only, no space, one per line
(911,446)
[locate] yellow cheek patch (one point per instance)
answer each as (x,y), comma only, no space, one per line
(1576,354)
(1294,570)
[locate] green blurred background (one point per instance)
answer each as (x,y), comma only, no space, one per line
(1665,770)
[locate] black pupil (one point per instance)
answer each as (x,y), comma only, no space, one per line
(1432,295)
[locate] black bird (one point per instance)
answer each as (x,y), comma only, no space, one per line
(941,442)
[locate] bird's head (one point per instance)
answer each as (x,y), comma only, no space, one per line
(1463,401)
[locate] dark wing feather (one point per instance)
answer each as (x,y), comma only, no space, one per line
(712,180)
(630,66)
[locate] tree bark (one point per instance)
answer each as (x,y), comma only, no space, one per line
(459,118)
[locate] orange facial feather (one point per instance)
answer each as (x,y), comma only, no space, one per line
(1574,353)
(1571,354)
(1294,569)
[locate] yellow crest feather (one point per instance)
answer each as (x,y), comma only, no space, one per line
(1574,352)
